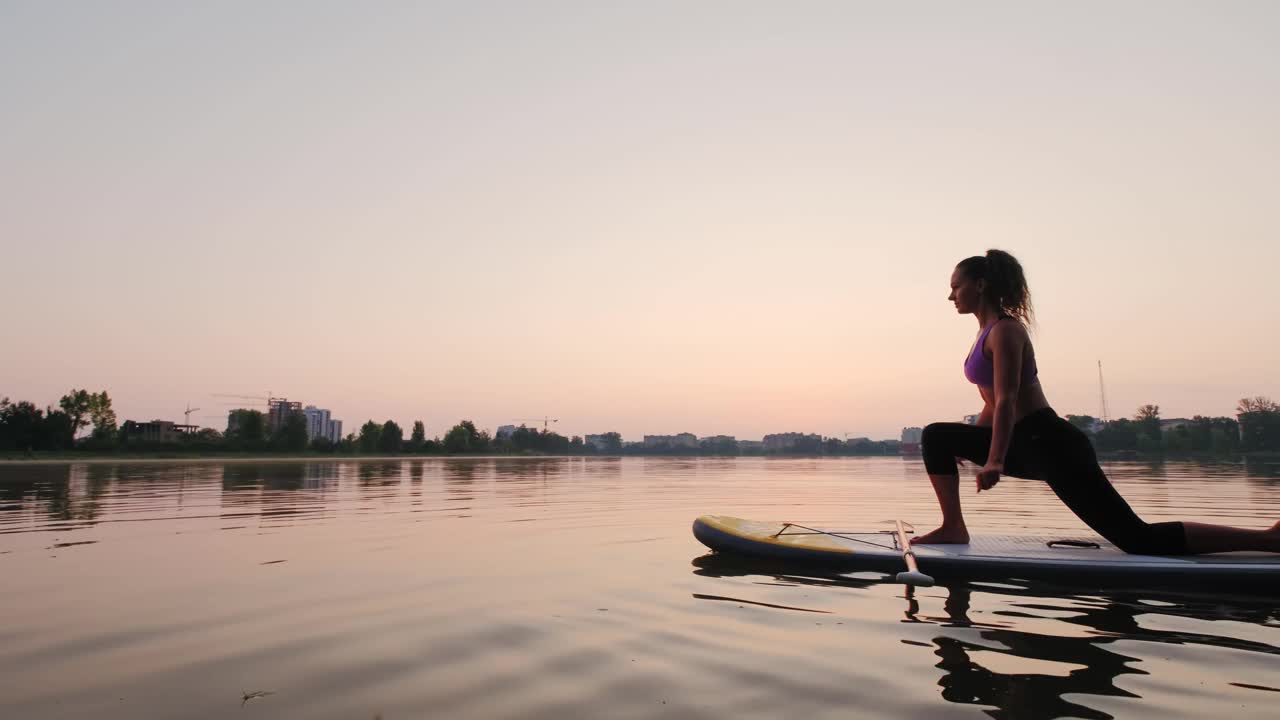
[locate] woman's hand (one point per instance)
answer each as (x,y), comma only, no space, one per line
(989,475)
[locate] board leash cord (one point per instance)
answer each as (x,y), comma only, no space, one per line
(912,576)
(843,534)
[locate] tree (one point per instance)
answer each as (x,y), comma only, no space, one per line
(56,430)
(807,445)
(1224,435)
(369,432)
(1256,404)
(292,435)
(246,429)
(613,443)
(348,444)
(84,408)
(1084,422)
(102,417)
(77,405)
(1149,436)
(1119,434)
(390,437)
(455,441)
(419,438)
(21,426)
(464,437)
(1259,424)
(524,438)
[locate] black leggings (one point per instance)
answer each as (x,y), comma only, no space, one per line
(1046,447)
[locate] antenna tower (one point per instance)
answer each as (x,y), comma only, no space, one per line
(1102,393)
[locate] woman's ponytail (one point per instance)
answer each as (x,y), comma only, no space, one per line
(1005,285)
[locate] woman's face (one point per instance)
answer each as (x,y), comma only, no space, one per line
(966,292)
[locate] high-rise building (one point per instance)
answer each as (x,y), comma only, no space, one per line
(321,425)
(278,412)
(910,444)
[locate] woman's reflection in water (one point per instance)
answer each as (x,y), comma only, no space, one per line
(1086,663)
(1094,668)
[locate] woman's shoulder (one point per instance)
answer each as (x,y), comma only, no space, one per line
(1010,329)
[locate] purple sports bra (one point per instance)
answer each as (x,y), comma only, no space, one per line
(979,369)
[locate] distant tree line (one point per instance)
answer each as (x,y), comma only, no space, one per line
(807,446)
(24,427)
(1256,428)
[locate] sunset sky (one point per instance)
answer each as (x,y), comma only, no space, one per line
(709,217)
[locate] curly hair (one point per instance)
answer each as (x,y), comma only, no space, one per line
(1006,284)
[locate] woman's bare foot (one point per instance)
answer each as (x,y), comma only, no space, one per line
(945,535)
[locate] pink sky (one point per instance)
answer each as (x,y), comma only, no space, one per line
(733,218)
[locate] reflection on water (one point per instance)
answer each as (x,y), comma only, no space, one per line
(558,587)
(1015,661)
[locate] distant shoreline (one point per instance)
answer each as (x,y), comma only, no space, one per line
(73,458)
(160,458)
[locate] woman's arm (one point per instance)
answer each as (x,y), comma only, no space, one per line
(1006,341)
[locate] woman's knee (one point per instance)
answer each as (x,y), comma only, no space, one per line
(936,434)
(938,450)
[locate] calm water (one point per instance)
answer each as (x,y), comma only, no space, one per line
(566,588)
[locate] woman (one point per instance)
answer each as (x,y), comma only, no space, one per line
(1018,433)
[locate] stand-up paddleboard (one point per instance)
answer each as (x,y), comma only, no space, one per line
(1076,560)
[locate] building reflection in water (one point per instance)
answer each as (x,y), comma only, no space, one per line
(279,493)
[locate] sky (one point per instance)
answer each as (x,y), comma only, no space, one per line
(644,217)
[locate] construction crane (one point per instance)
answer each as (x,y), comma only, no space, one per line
(258,398)
(188,413)
(546,420)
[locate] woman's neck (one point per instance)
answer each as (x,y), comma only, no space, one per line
(987,315)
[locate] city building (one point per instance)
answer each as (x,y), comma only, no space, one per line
(317,421)
(157,431)
(682,440)
(320,424)
(781,442)
(911,441)
(278,412)
(504,431)
(601,442)
(970,419)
